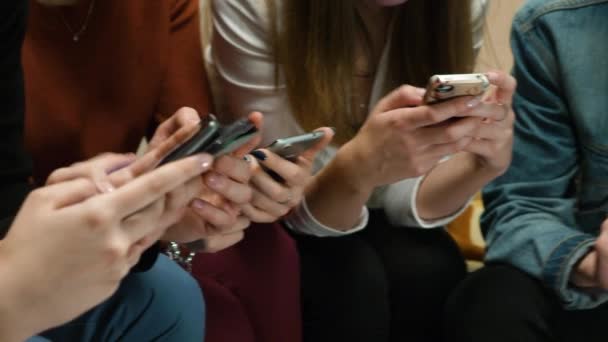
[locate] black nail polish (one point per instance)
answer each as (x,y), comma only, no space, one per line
(259,155)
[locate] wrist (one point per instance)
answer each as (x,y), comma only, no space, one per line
(482,167)
(11,315)
(583,273)
(352,169)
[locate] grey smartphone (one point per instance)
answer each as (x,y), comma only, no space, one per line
(290,148)
(215,139)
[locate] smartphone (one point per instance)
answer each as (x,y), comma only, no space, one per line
(291,148)
(215,139)
(444,87)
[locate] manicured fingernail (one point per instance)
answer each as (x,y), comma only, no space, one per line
(259,155)
(199,204)
(215,181)
(204,161)
(104,186)
(474,102)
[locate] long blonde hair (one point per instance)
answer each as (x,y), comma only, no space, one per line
(314,50)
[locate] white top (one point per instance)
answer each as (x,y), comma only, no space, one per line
(242,65)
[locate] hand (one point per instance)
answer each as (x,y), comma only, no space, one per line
(402,138)
(493,141)
(215,216)
(69,246)
(272,199)
(592,270)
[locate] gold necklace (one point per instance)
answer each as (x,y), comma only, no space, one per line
(77,34)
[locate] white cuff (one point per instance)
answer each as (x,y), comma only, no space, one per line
(302,221)
(437,222)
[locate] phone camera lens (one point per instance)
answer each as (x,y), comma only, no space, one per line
(444,88)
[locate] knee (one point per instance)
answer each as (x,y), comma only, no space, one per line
(494,297)
(176,299)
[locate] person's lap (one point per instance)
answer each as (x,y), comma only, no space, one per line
(502,303)
(162,304)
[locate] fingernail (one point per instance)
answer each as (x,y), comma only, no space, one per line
(104,186)
(474,102)
(215,181)
(204,161)
(421,91)
(259,155)
(333,129)
(198,203)
(491,76)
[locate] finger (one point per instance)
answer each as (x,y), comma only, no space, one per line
(268,186)
(217,243)
(292,173)
(234,168)
(413,118)
(96,168)
(147,188)
(182,118)
(493,131)
(481,147)
(211,214)
(181,197)
(227,188)
(506,85)
(272,207)
(446,132)
(257,119)
(491,110)
(256,215)
(138,248)
(144,222)
(404,96)
(328,135)
(437,152)
(153,157)
(65,194)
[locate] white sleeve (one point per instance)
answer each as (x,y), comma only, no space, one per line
(242,58)
(399,201)
(300,220)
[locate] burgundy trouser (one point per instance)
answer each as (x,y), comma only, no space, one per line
(252,290)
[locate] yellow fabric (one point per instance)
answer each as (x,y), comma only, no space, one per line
(466,232)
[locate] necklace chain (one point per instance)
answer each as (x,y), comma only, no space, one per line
(76,34)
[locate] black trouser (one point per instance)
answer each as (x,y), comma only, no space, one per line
(382,284)
(500,303)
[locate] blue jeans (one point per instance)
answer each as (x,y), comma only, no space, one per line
(162,304)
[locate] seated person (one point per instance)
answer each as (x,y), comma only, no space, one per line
(365,277)
(546,277)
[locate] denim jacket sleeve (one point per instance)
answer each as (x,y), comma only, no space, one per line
(529,220)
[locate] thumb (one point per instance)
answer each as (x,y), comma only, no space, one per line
(328,134)
(404,96)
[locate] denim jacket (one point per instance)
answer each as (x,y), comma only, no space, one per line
(545,212)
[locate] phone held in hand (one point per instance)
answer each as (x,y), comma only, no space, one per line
(215,139)
(290,148)
(444,87)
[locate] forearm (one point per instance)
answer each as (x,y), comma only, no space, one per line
(450,185)
(11,318)
(337,194)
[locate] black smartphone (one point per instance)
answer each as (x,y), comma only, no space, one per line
(291,148)
(215,139)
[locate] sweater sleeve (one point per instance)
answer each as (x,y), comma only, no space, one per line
(15,166)
(185,82)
